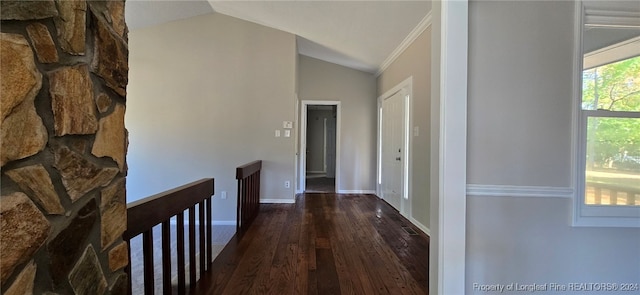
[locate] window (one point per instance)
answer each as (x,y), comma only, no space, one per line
(609,124)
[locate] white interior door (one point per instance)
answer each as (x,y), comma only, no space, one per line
(393,160)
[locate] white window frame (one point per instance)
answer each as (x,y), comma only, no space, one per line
(583,214)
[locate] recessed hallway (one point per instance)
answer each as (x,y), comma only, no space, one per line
(323,244)
(320,185)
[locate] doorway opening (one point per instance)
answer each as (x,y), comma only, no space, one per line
(320,146)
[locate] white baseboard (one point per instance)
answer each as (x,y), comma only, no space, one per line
(421,226)
(277,201)
(359,192)
(518,191)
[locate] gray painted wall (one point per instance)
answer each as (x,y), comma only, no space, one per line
(416,61)
(520,69)
(519,134)
(356,90)
(206,95)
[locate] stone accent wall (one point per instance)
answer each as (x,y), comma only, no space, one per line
(63,147)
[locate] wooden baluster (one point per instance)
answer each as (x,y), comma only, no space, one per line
(239,207)
(247,200)
(209,234)
(597,193)
(147,250)
(192,246)
(166,257)
(248,191)
(257,192)
(180,247)
(201,238)
(252,194)
(245,203)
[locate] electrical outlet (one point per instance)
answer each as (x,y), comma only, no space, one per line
(223,195)
(287,184)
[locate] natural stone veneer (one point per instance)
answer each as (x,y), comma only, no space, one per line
(110,58)
(23,134)
(72,101)
(36,181)
(113,207)
(66,247)
(42,42)
(121,285)
(20,78)
(118,257)
(27,10)
(54,211)
(116,17)
(23,231)
(24,282)
(79,176)
(111,12)
(87,276)
(111,138)
(103,101)
(71,25)
(21,129)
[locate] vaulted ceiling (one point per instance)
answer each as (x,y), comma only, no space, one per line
(360,34)
(357,34)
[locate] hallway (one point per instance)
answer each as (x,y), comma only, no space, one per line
(324,244)
(320,185)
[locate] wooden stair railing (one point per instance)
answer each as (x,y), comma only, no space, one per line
(248,177)
(144,214)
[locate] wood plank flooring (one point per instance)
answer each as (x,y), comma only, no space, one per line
(320,185)
(323,244)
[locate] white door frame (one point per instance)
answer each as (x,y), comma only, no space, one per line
(406,87)
(303,140)
(449,49)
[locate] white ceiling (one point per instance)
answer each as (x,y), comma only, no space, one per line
(146,13)
(357,34)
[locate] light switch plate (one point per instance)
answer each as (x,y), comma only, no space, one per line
(278,133)
(287,124)
(287,133)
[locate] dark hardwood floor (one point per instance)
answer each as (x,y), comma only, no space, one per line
(323,244)
(320,185)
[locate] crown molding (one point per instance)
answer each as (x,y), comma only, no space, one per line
(413,35)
